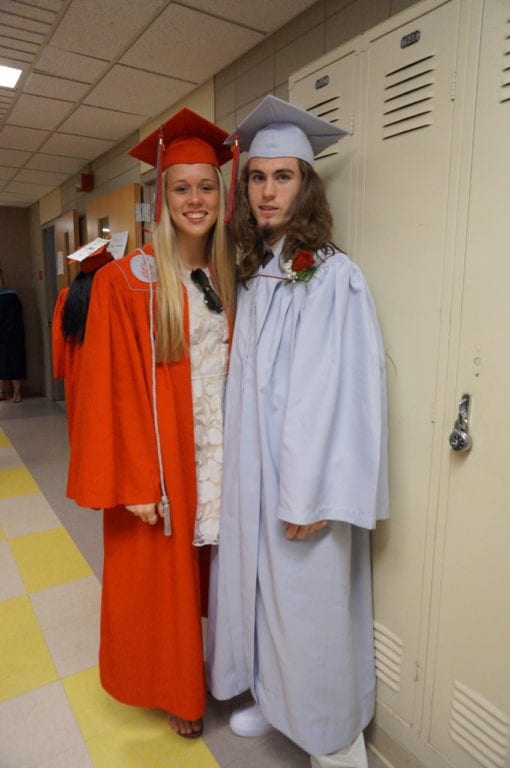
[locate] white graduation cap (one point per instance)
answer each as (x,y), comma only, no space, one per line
(276,128)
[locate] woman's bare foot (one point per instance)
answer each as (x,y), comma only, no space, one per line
(190,729)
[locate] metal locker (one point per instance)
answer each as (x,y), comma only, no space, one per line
(330,89)
(469,687)
(422,191)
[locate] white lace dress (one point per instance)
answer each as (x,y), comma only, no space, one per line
(209,358)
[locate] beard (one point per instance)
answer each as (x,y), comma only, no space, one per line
(267,232)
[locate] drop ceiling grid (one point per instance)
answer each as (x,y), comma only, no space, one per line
(94,72)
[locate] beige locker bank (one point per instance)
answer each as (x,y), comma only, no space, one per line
(421,197)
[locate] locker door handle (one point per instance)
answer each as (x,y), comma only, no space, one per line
(460,439)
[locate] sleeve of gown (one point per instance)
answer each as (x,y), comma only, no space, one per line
(333,463)
(113,453)
(57,339)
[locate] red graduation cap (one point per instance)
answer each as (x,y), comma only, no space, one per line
(93,255)
(184,138)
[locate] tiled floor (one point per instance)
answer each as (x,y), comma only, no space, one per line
(53,712)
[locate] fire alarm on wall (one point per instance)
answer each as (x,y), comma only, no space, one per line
(84,182)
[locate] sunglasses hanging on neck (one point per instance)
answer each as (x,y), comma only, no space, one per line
(211,298)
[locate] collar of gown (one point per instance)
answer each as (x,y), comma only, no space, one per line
(277,247)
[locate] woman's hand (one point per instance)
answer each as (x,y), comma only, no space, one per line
(294,531)
(148,513)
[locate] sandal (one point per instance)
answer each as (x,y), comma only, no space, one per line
(17,398)
(195,734)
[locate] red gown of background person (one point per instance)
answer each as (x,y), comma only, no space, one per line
(67,352)
(66,359)
(151,642)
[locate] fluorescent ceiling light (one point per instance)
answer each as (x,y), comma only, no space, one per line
(9,76)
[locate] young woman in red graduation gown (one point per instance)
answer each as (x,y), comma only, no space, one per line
(147,436)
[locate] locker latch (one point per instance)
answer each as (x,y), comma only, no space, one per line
(460,439)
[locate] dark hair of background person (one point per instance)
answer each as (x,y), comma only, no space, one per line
(76,307)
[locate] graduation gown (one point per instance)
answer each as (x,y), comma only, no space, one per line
(151,642)
(66,359)
(12,337)
(305,440)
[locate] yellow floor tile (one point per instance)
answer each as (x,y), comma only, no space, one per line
(132,748)
(16,481)
(47,558)
(120,736)
(96,711)
(4,440)
(26,661)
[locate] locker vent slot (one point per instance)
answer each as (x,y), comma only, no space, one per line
(505,85)
(479,728)
(408,97)
(330,110)
(388,656)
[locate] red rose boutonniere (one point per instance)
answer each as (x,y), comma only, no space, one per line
(301,267)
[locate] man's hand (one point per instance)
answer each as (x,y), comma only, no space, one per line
(294,531)
(148,513)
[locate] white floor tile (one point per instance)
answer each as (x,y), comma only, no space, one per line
(67,603)
(25,514)
(9,457)
(11,583)
(74,646)
(77,757)
(36,727)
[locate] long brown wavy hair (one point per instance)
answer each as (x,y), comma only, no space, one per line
(310,228)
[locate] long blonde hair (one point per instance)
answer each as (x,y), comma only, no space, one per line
(170,339)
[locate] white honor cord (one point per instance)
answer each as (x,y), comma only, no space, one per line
(164,498)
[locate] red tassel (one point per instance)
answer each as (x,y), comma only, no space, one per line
(159,176)
(233,180)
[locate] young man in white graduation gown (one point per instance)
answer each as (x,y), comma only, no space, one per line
(305,472)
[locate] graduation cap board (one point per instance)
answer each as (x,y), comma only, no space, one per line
(276,128)
(93,255)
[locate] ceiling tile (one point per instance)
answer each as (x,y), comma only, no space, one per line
(7,173)
(186,32)
(26,189)
(75,146)
(55,87)
(23,23)
(102,123)
(103,26)
(38,112)
(66,165)
(13,137)
(131,90)
(42,10)
(41,177)
(15,58)
(12,158)
(18,45)
(15,201)
(264,15)
(84,69)
(21,32)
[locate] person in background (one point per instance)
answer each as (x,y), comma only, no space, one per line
(68,326)
(305,468)
(148,434)
(13,367)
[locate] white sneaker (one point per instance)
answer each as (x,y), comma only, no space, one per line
(249,721)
